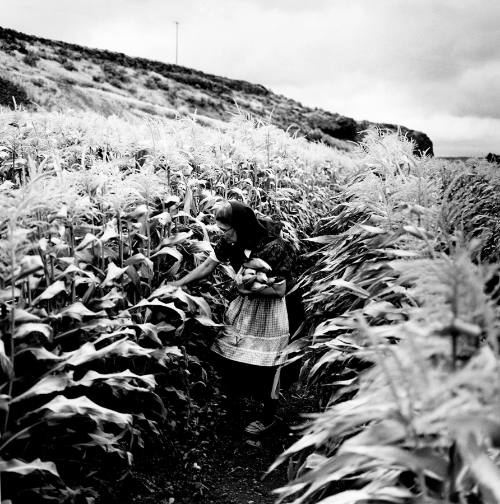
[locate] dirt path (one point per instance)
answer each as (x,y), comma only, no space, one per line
(214,464)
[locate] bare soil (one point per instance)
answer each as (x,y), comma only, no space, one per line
(212,462)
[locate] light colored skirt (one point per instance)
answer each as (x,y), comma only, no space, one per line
(256,331)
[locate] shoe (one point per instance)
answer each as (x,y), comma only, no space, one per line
(257,427)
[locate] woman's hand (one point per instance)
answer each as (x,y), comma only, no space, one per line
(200,272)
(241,286)
(244,286)
(243,290)
(276,289)
(257,287)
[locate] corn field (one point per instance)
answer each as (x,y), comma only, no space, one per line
(398,276)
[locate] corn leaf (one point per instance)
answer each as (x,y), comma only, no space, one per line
(61,408)
(155,303)
(169,251)
(139,259)
(116,378)
(163,291)
(51,291)
(206,321)
(177,238)
(112,273)
(110,232)
(47,385)
(5,363)
(6,294)
(28,328)
(350,286)
(164,218)
(89,239)
(194,303)
(41,353)
(78,311)
(150,331)
(20,467)
(88,352)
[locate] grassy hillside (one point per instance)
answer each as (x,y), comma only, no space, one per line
(56,76)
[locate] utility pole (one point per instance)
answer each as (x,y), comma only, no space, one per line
(176,42)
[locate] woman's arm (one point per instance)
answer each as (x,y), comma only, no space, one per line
(277,289)
(200,272)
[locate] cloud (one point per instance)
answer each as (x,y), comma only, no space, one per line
(477,92)
(462,136)
(391,61)
(285,5)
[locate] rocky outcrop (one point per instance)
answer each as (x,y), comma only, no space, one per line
(423,144)
(323,126)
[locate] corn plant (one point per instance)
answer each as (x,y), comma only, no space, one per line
(413,420)
(101,214)
(422,416)
(472,206)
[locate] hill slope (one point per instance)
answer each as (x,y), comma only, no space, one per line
(56,75)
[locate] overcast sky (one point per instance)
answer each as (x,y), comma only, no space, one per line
(431,65)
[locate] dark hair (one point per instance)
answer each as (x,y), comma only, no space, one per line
(243,220)
(224,213)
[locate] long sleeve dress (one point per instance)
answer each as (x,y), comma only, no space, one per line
(256,330)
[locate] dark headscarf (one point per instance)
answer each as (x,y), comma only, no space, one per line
(249,230)
(249,233)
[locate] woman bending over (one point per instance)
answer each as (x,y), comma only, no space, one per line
(250,349)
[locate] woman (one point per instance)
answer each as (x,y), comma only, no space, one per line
(250,349)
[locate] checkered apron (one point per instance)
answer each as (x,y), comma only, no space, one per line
(256,331)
